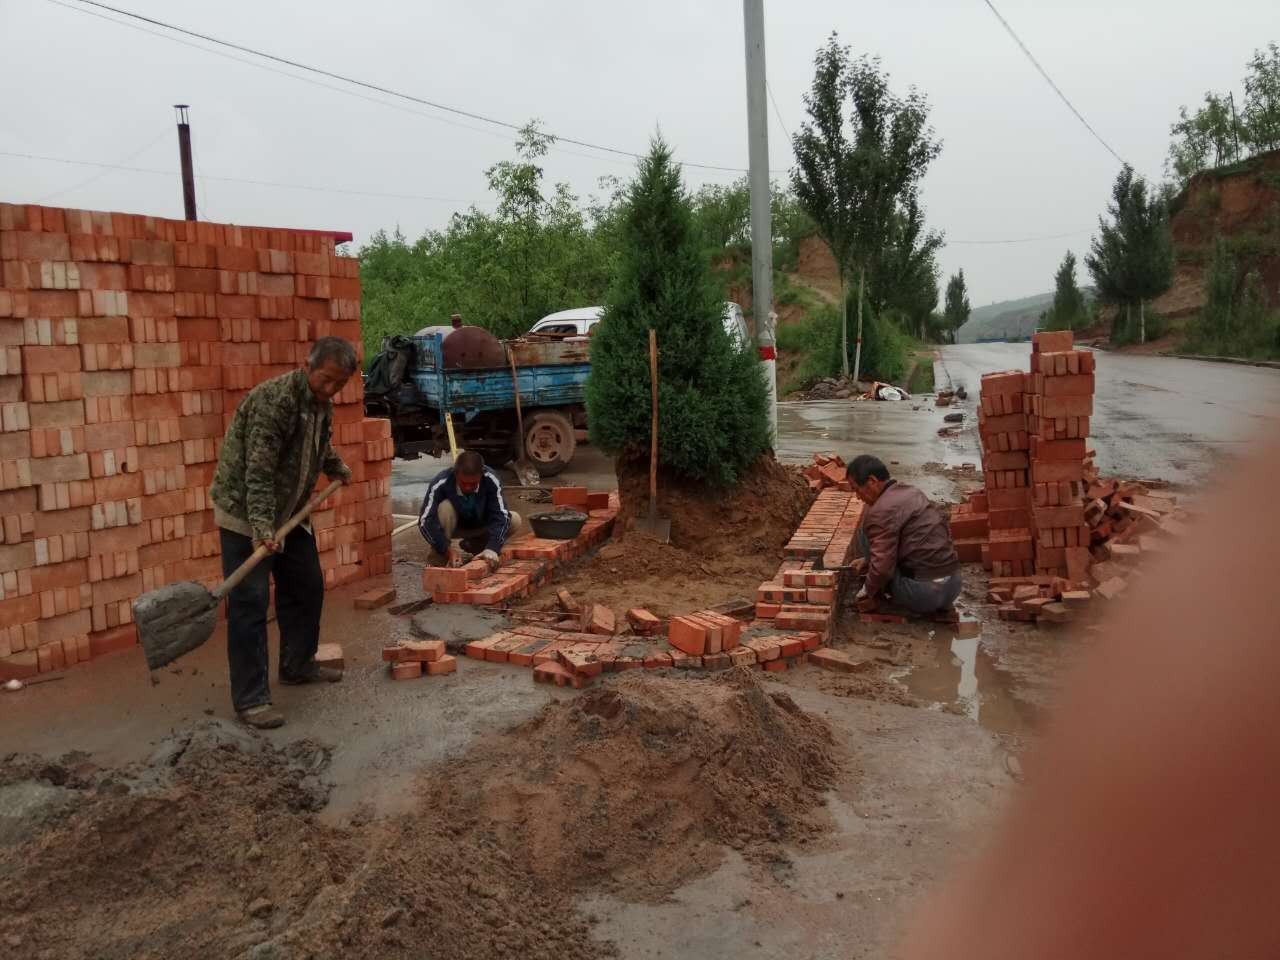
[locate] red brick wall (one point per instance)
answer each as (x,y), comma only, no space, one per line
(125,344)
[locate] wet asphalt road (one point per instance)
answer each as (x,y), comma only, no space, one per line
(1154,416)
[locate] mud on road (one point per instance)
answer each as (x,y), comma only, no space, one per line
(212,846)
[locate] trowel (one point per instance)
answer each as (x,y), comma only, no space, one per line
(178,617)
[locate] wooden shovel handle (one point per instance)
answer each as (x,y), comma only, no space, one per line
(515,384)
(257,556)
(653,436)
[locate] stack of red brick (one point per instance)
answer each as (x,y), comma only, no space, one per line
(803,595)
(125,344)
(1033,427)
(411,659)
(1051,532)
(529,561)
(1059,405)
(1002,428)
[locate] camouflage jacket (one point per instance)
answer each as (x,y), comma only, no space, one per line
(272,454)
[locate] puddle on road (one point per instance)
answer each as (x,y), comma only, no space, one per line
(964,679)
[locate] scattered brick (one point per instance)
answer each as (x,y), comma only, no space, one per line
(423,651)
(372,599)
(838,661)
(643,622)
(330,655)
(408,670)
(600,620)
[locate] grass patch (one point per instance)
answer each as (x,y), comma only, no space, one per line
(921,379)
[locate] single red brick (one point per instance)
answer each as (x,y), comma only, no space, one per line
(569,496)
(424,651)
(601,621)
(551,671)
(330,655)
(378,597)
(444,579)
(445,664)
(407,670)
(792,646)
(643,622)
(687,636)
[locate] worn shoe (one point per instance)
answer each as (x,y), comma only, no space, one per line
(263,717)
(314,673)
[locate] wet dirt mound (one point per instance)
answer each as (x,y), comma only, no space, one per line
(723,543)
(211,848)
(759,513)
(632,788)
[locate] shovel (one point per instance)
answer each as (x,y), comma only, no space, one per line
(178,617)
(658,528)
(525,472)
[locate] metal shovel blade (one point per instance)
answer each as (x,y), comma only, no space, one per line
(659,528)
(174,620)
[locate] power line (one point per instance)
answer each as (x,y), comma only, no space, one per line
(93,178)
(326,86)
(1054,236)
(378,88)
(329,86)
(245,180)
(1049,80)
(776,112)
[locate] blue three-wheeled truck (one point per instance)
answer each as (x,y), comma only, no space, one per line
(470,375)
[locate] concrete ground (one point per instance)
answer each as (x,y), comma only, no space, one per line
(922,783)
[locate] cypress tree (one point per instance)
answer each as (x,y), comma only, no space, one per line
(712,400)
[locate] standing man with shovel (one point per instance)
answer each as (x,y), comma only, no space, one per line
(274,451)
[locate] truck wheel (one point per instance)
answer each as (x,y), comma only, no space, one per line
(549,442)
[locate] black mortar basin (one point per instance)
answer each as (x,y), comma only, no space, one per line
(560,525)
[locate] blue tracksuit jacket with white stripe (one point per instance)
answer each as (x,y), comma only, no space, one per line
(484,508)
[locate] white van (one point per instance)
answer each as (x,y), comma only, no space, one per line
(579,321)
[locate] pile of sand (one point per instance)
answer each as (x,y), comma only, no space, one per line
(212,848)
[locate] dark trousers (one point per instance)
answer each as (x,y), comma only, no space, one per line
(299,600)
(921,597)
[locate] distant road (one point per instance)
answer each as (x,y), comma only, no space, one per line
(1153,416)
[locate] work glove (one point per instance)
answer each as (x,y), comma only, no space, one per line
(491,558)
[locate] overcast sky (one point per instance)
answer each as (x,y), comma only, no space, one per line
(1015,162)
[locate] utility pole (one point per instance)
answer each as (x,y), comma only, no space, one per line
(761,231)
(184,154)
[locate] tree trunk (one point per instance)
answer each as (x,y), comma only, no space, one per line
(844,329)
(1142,321)
(1128,318)
(857,347)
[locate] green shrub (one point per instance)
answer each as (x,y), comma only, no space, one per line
(711,396)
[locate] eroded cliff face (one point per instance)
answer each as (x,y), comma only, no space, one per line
(1240,203)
